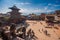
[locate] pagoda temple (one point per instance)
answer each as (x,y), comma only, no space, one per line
(15,15)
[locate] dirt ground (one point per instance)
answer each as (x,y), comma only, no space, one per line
(40,26)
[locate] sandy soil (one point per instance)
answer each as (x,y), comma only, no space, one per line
(39,27)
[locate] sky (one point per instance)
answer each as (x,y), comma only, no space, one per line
(30,6)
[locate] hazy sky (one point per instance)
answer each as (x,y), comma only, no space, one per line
(30,6)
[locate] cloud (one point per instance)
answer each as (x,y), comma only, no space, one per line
(49,10)
(49,4)
(56,5)
(38,10)
(23,3)
(27,11)
(43,11)
(45,8)
(30,10)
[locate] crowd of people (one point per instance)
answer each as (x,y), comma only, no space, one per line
(11,33)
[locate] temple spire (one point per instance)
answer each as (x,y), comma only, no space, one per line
(14,8)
